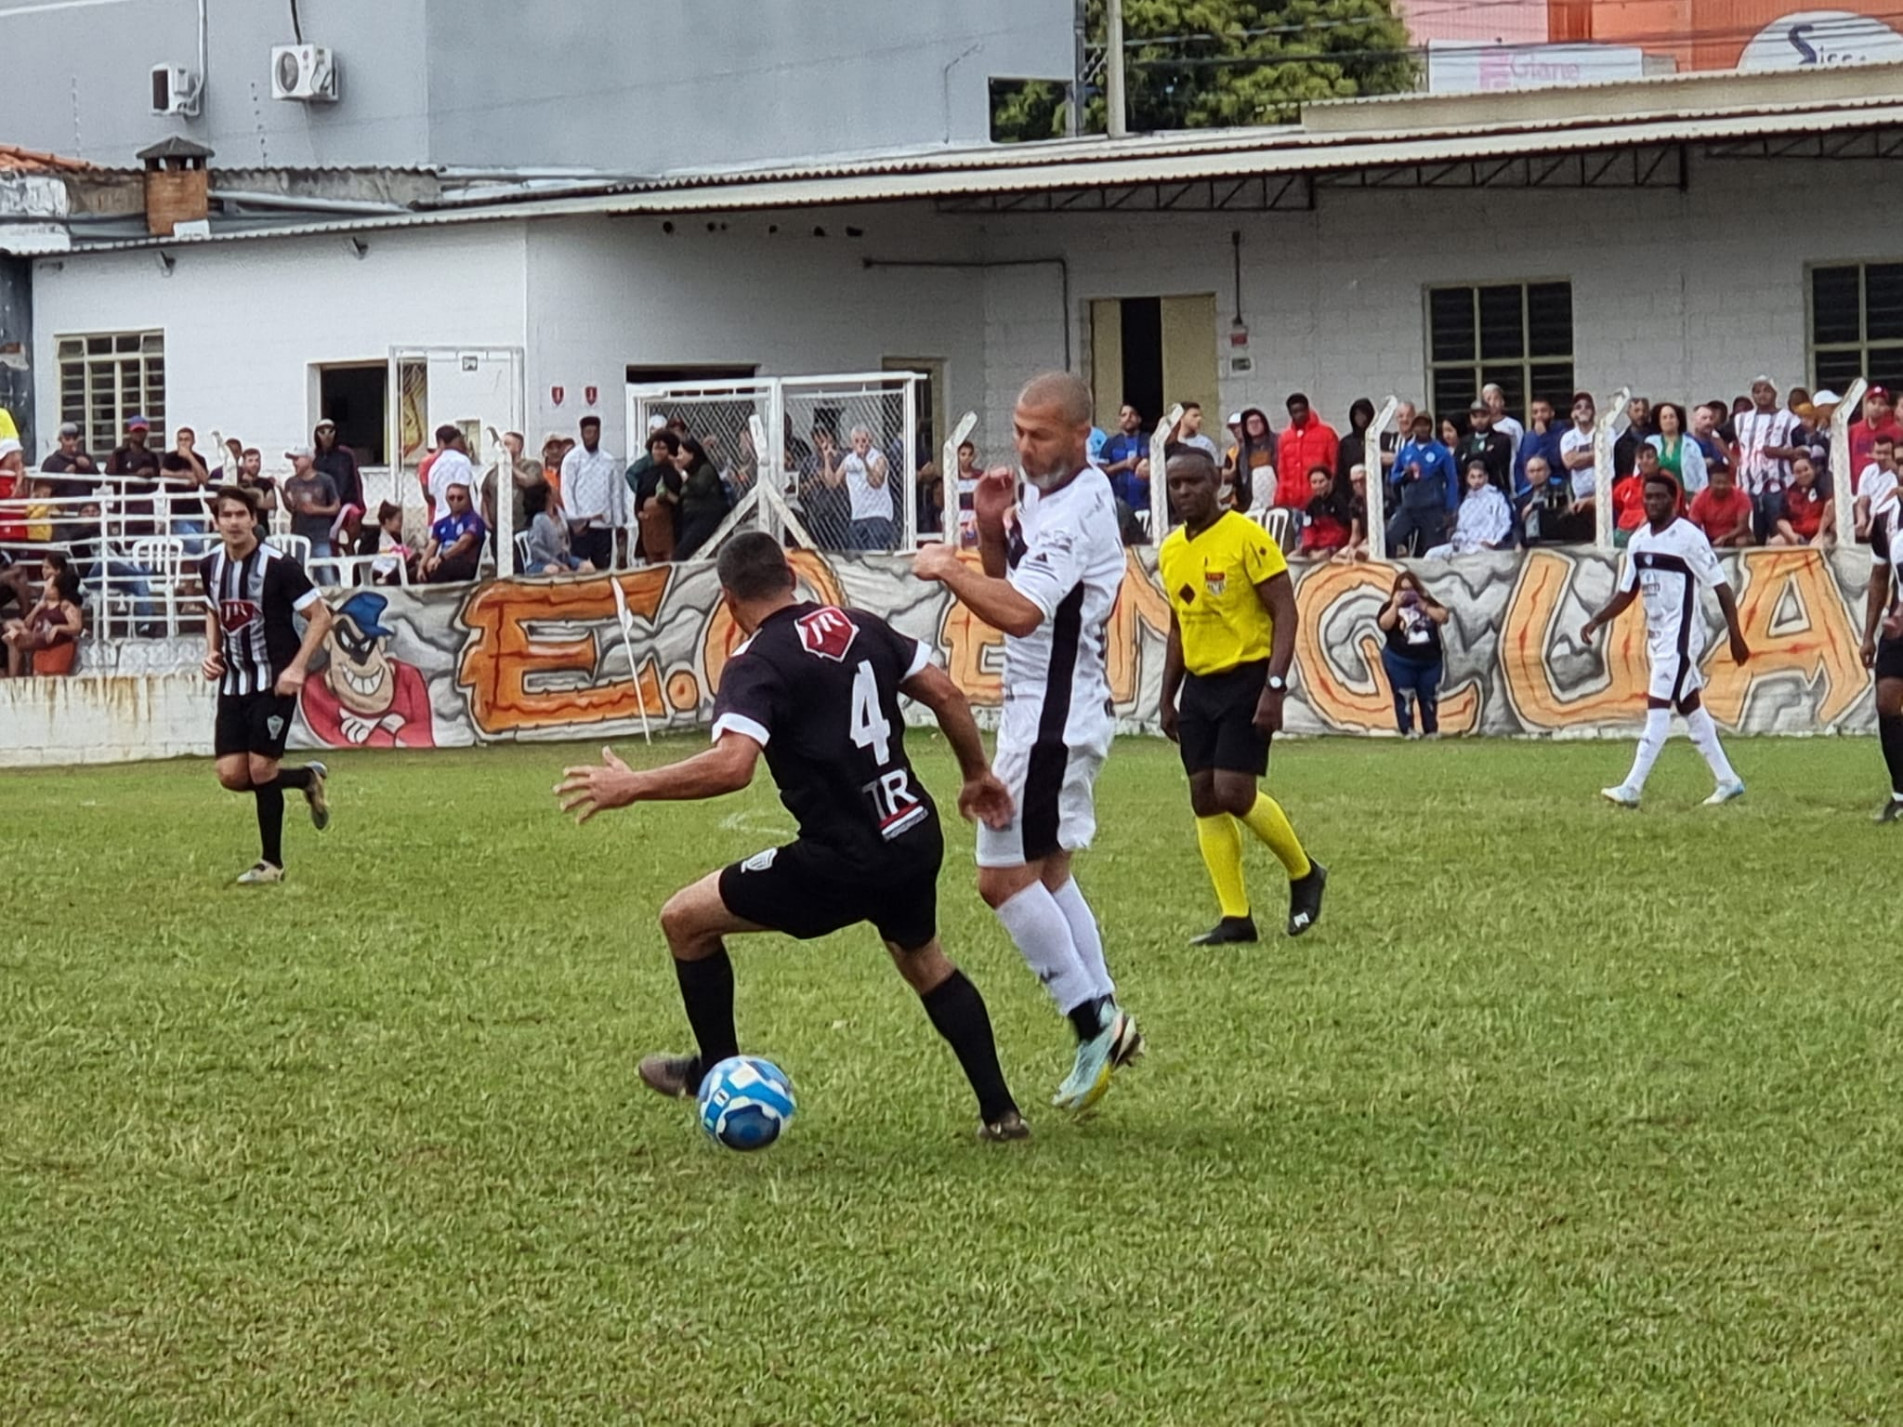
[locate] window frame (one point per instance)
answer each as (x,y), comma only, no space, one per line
(1477,364)
(148,347)
(1861,347)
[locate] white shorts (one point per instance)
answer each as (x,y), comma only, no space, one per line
(1675,676)
(1053,795)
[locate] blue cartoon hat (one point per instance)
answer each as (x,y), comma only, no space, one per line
(365,610)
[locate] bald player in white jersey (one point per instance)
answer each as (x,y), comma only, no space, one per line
(1051,571)
(1667,561)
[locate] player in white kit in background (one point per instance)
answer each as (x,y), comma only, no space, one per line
(1049,581)
(1667,561)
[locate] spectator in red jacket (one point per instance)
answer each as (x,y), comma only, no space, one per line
(1879,419)
(1307,442)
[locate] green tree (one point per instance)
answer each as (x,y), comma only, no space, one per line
(1198,64)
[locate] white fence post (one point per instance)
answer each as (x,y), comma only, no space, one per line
(1378,479)
(1843,489)
(1603,436)
(1159,478)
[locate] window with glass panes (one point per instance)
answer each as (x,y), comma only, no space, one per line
(1514,335)
(1856,325)
(106,378)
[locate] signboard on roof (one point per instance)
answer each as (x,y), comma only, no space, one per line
(1459,67)
(1822,37)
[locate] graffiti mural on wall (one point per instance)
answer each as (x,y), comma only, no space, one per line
(546,659)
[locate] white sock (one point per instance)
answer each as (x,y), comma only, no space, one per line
(1658,723)
(1705,739)
(1038,925)
(1085,937)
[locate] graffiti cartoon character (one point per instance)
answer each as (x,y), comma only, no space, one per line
(364,698)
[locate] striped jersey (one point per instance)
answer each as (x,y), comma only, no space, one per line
(1667,567)
(1758,473)
(1065,555)
(254,598)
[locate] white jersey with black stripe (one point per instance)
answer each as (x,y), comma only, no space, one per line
(1065,555)
(1668,567)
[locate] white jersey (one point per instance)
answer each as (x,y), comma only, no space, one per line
(1065,552)
(1668,567)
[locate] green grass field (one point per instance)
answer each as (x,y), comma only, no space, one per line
(1563,1115)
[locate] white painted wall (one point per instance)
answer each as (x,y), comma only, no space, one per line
(245,321)
(760,289)
(105,719)
(1683,295)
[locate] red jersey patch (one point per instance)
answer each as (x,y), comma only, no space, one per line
(828,633)
(234,615)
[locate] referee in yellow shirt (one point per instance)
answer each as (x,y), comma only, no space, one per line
(1232,638)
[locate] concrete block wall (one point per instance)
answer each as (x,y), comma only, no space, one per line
(1680,294)
(92,718)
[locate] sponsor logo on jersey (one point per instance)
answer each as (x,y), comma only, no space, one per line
(234,615)
(828,633)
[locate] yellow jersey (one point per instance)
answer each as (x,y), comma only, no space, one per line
(1210,581)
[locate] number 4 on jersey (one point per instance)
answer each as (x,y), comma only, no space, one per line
(869,726)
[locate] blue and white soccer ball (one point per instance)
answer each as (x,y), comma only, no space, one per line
(745,1102)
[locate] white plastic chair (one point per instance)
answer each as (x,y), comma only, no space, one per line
(521,552)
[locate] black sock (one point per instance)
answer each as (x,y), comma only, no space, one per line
(958,1013)
(270,798)
(298,778)
(1087,1019)
(707,993)
(1890,732)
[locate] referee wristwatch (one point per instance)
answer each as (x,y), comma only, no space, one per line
(1277,684)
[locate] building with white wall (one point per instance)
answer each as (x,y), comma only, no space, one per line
(1678,236)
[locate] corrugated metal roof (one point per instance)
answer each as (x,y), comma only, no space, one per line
(1824,103)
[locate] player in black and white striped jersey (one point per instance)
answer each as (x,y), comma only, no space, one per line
(259,661)
(1668,561)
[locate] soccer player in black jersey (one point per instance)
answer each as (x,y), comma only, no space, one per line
(254,653)
(817,690)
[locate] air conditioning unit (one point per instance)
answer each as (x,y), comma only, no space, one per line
(174,90)
(307,73)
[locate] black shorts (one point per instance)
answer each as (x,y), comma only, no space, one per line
(253,723)
(1889,663)
(807,890)
(1216,721)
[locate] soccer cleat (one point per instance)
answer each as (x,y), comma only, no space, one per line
(676,1076)
(314,795)
(1305,899)
(1228,931)
(1890,812)
(1003,1130)
(259,873)
(1622,795)
(1097,1058)
(1725,793)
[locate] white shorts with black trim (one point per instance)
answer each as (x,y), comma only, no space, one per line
(1675,675)
(1053,797)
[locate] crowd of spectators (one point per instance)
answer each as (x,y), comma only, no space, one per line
(1751,471)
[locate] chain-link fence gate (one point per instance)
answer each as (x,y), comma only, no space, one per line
(843,473)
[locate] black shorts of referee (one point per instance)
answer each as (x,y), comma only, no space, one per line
(1216,721)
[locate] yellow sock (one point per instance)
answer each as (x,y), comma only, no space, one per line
(1268,822)
(1221,842)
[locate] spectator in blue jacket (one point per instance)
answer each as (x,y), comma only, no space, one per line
(1428,486)
(1123,453)
(1541,439)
